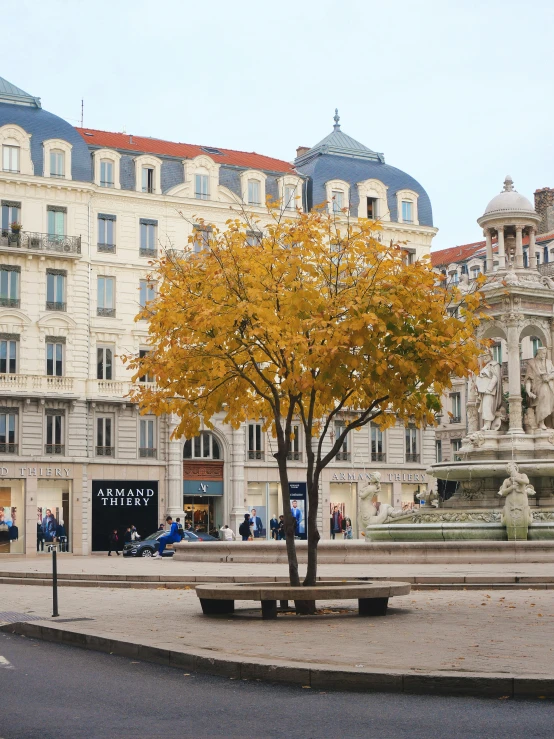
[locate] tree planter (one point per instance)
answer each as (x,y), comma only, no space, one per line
(219,599)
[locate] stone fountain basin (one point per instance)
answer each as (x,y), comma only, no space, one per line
(452,532)
(473,470)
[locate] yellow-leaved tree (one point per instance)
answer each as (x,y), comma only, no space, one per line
(311,320)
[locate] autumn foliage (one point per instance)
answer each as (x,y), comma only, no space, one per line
(312,318)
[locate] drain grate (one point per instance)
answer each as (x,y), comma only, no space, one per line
(12,617)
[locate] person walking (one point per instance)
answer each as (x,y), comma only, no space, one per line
(281,528)
(348,533)
(113,543)
(127,536)
(336,522)
(40,538)
(172,537)
(227,534)
(244,528)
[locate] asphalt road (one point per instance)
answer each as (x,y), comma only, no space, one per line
(49,691)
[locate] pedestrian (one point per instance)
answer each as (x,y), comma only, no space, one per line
(161,527)
(244,528)
(227,534)
(128,536)
(256,525)
(274,527)
(114,543)
(172,537)
(281,529)
(336,522)
(179,524)
(348,533)
(135,536)
(40,538)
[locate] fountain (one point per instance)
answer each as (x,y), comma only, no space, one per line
(508,452)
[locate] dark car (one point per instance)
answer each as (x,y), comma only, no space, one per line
(147,547)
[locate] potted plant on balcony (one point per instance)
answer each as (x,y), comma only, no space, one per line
(16,229)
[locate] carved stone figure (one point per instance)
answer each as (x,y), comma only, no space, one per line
(500,419)
(429,497)
(529,421)
(371,511)
(489,387)
(516,515)
(471,489)
(539,384)
(548,282)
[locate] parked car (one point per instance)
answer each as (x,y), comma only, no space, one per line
(148,546)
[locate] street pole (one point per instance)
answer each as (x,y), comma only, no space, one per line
(54,583)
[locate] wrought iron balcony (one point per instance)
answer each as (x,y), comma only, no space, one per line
(9,302)
(295,456)
(54,448)
(104,451)
(343,456)
(152,253)
(147,452)
(106,248)
(32,241)
(9,448)
(455,419)
(412,458)
(378,457)
(55,305)
(255,454)
(106,312)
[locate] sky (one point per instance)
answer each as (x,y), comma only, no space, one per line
(457,93)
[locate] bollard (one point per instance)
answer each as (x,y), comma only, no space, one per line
(54,583)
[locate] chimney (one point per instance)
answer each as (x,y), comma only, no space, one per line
(301,150)
(544,202)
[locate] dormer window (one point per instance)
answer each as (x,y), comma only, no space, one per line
(106,173)
(10,158)
(254,190)
(201,186)
(147,179)
(290,197)
(57,163)
(337,196)
(406,206)
(107,168)
(372,208)
(407,211)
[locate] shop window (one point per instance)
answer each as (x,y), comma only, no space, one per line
(53,514)
(55,443)
(438,450)
(8,431)
(412,454)
(106,233)
(56,289)
(344,453)
(147,377)
(9,286)
(106,297)
(12,518)
(456,446)
(377,444)
(455,407)
(255,441)
(343,509)
(54,356)
(11,213)
(148,237)
(104,437)
(8,353)
(104,363)
(295,447)
(203,446)
(147,438)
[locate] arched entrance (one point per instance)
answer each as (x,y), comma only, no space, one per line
(203,482)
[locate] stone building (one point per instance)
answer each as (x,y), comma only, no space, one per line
(83,214)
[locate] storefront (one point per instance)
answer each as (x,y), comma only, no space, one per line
(12,516)
(264,501)
(203,494)
(121,504)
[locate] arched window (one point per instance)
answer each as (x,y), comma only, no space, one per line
(205,446)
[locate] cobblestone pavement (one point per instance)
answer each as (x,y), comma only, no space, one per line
(475,631)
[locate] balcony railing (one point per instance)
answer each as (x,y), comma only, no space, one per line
(55,305)
(412,458)
(33,241)
(148,252)
(255,454)
(9,448)
(35,383)
(106,312)
(9,302)
(343,456)
(455,419)
(147,452)
(104,451)
(295,456)
(106,248)
(378,457)
(54,448)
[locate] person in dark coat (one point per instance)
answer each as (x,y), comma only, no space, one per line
(274,527)
(127,536)
(336,522)
(244,528)
(113,543)
(40,538)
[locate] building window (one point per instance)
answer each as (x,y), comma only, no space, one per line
(438,450)
(106,173)
(11,213)
(475,272)
(8,430)
(254,190)
(106,232)
(407,211)
(456,445)
(204,446)
(9,286)
(344,452)
(411,444)
(147,179)
(147,292)
(456,407)
(295,449)
(106,297)
(148,237)
(201,186)
(497,353)
(377,446)
(254,238)
(54,358)
(536,344)
(145,378)
(56,222)
(104,363)
(10,158)
(55,290)
(290,197)
(201,238)
(372,208)
(545,255)
(147,441)
(57,164)
(255,441)
(538,257)
(104,438)
(337,197)
(8,355)
(54,433)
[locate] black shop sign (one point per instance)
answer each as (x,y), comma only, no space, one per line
(117,504)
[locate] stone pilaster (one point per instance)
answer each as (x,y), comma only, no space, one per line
(236,478)
(174,472)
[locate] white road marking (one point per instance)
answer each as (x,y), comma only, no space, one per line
(5,663)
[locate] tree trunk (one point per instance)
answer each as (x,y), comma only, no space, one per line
(313,533)
(294,578)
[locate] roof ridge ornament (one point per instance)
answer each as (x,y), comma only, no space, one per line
(509,184)
(336,118)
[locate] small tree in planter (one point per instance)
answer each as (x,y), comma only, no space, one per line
(15,227)
(314,319)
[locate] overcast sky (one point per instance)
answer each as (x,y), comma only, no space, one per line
(456,93)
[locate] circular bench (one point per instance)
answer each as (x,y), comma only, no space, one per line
(373,598)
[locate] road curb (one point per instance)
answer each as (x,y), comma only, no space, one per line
(316,676)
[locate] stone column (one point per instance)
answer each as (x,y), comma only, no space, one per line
(519,247)
(501,250)
(236,495)
(174,492)
(488,236)
(514,380)
(472,407)
(532,247)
